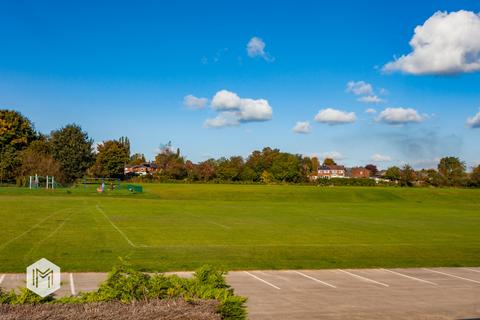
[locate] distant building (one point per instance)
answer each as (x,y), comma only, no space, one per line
(331,171)
(140,169)
(359,172)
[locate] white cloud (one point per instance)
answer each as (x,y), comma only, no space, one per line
(333,116)
(192,102)
(380,158)
(447,43)
(235,110)
(226,100)
(335,155)
(359,88)
(256,48)
(398,116)
(302,127)
(371,111)
(224,119)
(474,122)
(370,99)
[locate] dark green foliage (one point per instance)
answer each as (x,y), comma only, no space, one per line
(72,148)
(111,158)
(393,173)
(9,160)
(126,285)
(15,130)
(407,176)
(16,133)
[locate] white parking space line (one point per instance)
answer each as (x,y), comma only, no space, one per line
(472,270)
(72,285)
(260,279)
(410,277)
(315,279)
(452,275)
(2,278)
(363,278)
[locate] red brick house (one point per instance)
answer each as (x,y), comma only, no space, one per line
(360,172)
(140,169)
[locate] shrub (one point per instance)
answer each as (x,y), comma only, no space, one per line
(126,285)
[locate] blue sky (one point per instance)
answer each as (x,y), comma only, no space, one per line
(124,68)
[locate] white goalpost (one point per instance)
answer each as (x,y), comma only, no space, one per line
(36,181)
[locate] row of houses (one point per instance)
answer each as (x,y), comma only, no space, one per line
(337,171)
(140,169)
(323,172)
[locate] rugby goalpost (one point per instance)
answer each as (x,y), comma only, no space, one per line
(36,181)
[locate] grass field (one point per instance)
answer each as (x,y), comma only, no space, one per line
(180,227)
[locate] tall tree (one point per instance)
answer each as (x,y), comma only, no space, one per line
(137,158)
(125,142)
(16,130)
(329,162)
(475,176)
(16,133)
(112,155)
(171,164)
(407,176)
(36,159)
(72,148)
(393,173)
(372,168)
(452,169)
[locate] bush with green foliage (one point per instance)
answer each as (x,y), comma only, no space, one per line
(125,284)
(362,182)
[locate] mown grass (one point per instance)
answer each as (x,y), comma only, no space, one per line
(182,226)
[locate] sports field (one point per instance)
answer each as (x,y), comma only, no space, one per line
(181,226)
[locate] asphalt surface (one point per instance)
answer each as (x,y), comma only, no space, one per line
(423,293)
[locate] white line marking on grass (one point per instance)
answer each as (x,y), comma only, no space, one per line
(72,285)
(116,228)
(220,225)
(410,277)
(363,278)
(260,279)
(2,278)
(33,227)
(451,275)
(314,279)
(472,270)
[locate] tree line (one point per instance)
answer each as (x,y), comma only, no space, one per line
(68,154)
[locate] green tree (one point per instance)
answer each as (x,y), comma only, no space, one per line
(16,130)
(475,177)
(286,167)
(137,158)
(407,176)
(16,133)
(329,162)
(9,161)
(36,159)
(112,155)
(171,164)
(393,173)
(72,148)
(372,168)
(230,169)
(125,142)
(452,170)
